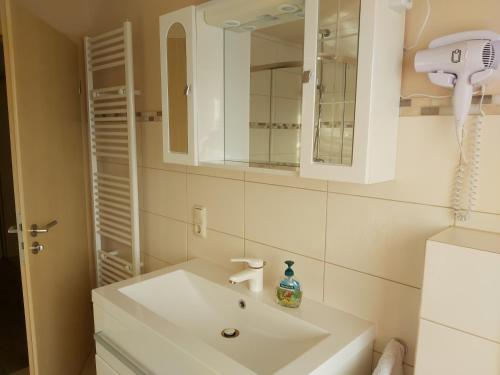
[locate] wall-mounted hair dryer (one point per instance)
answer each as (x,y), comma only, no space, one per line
(462,61)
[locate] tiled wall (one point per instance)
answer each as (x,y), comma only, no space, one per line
(358,248)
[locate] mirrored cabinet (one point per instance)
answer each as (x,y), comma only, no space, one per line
(307,87)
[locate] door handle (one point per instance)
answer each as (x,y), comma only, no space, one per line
(35,229)
(12,230)
(36,247)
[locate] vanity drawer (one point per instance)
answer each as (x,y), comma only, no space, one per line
(132,349)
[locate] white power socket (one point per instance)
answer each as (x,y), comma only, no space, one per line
(200,221)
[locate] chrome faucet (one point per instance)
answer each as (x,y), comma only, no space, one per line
(254,273)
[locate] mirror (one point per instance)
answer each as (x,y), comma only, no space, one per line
(177,89)
(336,76)
(263,58)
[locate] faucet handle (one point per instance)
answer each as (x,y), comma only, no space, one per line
(252,262)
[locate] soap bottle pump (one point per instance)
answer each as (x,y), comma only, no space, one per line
(288,292)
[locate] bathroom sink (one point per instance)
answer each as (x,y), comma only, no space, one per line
(228,328)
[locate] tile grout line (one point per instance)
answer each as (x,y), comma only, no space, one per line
(189,224)
(287,186)
(327,190)
(460,330)
(372,275)
(391,200)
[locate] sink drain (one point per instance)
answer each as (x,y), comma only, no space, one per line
(230,333)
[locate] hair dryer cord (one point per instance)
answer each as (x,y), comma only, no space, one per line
(467,177)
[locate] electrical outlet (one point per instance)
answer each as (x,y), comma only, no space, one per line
(200,221)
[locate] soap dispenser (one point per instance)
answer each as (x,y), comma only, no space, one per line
(288,293)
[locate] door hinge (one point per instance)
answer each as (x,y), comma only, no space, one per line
(80,87)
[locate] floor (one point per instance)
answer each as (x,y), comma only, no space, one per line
(13,345)
(24,371)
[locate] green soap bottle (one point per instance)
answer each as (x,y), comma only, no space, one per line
(288,293)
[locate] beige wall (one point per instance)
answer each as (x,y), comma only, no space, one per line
(77,18)
(447,17)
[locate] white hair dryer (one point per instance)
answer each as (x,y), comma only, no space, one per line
(462,61)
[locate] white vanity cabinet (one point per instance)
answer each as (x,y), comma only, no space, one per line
(304,87)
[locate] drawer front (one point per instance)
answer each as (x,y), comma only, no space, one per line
(102,368)
(130,349)
(445,351)
(461,289)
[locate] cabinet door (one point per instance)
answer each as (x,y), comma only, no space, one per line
(178,61)
(352,74)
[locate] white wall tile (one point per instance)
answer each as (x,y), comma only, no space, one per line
(426,163)
(140,187)
(151,264)
(309,272)
(291,181)
(287,84)
(260,82)
(260,108)
(259,145)
(489,178)
(217,172)
(381,237)
(287,111)
(224,200)
(217,248)
(393,307)
(164,238)
(165,193)
(285,145)
(287,218)
(138,137)
(152,148)
(482,221)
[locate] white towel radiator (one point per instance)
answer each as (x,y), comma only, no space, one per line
(111,120)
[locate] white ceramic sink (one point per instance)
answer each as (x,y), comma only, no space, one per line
(192,303)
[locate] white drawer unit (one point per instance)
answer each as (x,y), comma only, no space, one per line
(460,314)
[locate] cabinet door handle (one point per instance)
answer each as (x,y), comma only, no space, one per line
(120,354)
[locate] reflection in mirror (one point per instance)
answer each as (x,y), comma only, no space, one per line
(177,89)
(263,58)
(336,81)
